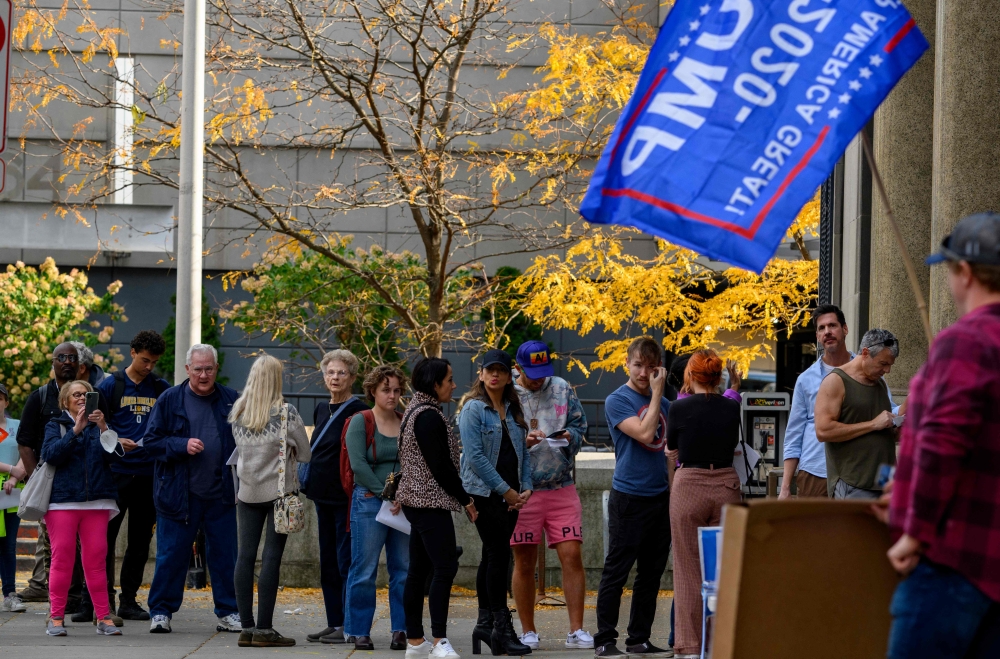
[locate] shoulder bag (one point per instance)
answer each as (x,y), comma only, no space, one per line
(289,515)
(38,491)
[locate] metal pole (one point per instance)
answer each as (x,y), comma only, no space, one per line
(189,216)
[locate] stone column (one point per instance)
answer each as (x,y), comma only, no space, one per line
(966,175)
(904,135)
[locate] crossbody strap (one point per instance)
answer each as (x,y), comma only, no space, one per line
(282,448)
(329,422)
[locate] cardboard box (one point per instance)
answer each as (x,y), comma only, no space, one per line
(803,579)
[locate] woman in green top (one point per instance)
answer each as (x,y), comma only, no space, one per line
(11,474)
(373,457)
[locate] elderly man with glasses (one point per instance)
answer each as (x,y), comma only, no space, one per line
(855,419)
(190,440)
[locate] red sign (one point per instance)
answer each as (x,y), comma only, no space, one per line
(6,14)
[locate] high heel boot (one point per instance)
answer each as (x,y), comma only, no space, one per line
(483,631)
(505,640)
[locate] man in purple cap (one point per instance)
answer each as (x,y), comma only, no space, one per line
(553,411)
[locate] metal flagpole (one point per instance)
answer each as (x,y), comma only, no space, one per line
(911,272)
(189,216)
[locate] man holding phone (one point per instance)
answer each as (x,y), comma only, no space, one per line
(553,411)
(639,505)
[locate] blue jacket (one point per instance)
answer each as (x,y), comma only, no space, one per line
(82,465)
(481,432)
(166,438)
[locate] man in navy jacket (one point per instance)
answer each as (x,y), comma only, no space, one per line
(190,440)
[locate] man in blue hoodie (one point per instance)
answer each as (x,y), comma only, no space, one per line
(131,395)
(190,439)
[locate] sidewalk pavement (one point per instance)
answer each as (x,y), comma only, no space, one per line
(194,635)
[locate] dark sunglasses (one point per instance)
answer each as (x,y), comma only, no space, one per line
(62,359)
(888,343)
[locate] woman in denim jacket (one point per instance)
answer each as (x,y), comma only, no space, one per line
(497,473)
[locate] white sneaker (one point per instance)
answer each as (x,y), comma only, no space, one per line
(531,640)
(443,650)
(13,604)
(230,623)
(159,624)
(579,639)
(418,651)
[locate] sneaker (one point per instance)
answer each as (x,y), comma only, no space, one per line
(13,604)
(578,639)
(531,640)
(130,610)
(34,595)
(246,637)
(336,637)
(230,623)
(418,651)
(443,650)
(159,625)
(268,638)
(329,631)
(607,650)
(107,628)
(53,629)
(648,648)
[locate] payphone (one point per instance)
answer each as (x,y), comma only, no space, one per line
(765,415)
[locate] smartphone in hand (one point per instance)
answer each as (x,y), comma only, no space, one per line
(93,398)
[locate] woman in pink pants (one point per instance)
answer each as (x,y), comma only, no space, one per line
(80,447)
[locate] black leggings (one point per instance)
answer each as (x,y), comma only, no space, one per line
(495,525)
(432,548)
(252,517)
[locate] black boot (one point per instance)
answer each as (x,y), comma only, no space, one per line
(505,640)
(85,613)
(483,631)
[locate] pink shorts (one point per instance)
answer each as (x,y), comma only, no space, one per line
(557,511)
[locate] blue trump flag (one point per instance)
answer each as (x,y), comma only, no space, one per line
(742,111)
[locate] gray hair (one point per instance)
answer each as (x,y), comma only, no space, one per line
(85,354)
(201,347)
(876,339)
(341,355)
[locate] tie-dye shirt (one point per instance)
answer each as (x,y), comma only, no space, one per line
(554,407)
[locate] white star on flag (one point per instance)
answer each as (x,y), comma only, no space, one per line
(694,25)
(874,60)
(854,85)
(834,113)
(685,40)
(845,98)
(704,9)
(865,72)
(673,56)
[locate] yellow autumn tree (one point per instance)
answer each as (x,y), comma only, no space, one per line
(600,284)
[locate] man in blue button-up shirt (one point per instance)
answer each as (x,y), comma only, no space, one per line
(802,451)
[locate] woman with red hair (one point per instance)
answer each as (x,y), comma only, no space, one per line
(704,428)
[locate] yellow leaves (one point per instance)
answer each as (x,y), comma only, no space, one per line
(248,110)
(170,43)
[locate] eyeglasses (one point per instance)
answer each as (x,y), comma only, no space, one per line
(78,394)
(64,358)
(206,370)
(888,343)
(337,374)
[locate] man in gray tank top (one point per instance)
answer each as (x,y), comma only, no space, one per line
(854,418)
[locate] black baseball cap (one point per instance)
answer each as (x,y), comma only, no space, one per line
(496,357)
(975,239)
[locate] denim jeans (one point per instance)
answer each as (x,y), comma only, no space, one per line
(8,552)
(173,556)
(936,612)
(367,539)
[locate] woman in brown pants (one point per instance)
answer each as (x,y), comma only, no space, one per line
(704,428)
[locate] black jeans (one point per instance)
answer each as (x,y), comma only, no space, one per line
(638,534)
(135,496)
(334,558)
(254,518)
(432,548)
(495,525)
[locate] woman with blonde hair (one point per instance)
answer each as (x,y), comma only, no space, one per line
(704,428)
(271,439)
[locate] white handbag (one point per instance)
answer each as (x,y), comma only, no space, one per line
(289,514)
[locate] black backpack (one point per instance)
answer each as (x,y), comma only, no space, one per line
(159,386)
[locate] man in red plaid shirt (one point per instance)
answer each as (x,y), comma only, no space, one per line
(945,505)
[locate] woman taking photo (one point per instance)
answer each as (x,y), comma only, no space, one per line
(497,473)
(12,473)
(268,432)
(429,490)
(320,481)
(372,444)
(81,504)
(704,428)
